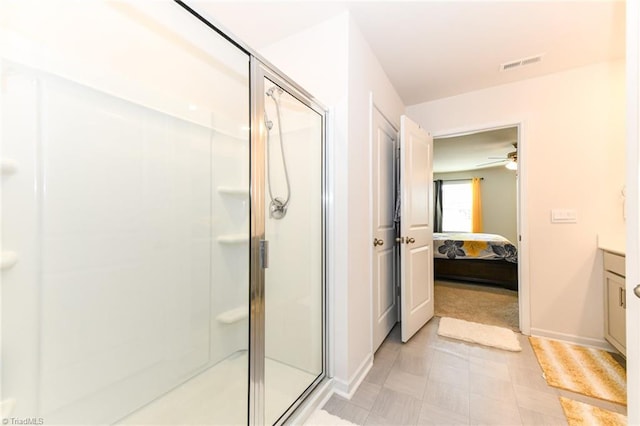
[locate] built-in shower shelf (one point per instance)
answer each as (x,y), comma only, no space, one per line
(8,166)
(233,239)
(8,259)
(233,315)
(229,190)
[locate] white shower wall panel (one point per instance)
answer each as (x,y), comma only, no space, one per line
(230,248)
(293,280)
(119,206)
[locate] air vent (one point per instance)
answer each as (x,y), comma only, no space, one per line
(520,63)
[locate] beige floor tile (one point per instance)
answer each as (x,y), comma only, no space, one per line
(366,395)
(342,408)
(418,349)
(447,397)
(388,350)
(437,416)
(458,377)
(530,378)
(534,418)
(459,383)
(535,400)
(449,345)
(496,369)
(395,407)
(489,411)
(406,383)
(496,389)
(450,358)
(488,353)
(380,370)
(413,364)
(375,420)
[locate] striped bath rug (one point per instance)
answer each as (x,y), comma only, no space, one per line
(579,414)
(591,372)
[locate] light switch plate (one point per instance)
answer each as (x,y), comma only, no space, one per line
(564,216)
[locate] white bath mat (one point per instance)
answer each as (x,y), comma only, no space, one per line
(487,335)
(323,418)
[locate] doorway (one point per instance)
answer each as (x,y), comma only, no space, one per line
(481,281)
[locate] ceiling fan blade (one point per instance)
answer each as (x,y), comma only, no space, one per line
(491,162)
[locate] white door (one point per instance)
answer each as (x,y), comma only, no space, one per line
(633,212)
(385,306)
(416,241)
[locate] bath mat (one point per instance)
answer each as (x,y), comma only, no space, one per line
(579,414)
(323,418)
(588,371)
(487,335)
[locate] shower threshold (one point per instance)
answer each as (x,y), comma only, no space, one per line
(218,396)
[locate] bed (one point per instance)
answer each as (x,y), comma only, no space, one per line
(480,258)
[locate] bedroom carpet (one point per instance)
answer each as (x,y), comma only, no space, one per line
(588,371)
(477,303)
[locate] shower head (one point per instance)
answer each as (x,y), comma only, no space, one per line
(272,89)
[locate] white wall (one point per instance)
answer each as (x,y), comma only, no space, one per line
(499,199)
(572,156)
(334,63)
(365,77)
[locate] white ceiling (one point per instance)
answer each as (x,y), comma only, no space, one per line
(435,49)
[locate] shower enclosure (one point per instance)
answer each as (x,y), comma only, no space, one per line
(162,221)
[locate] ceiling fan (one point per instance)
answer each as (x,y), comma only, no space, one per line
(511,158)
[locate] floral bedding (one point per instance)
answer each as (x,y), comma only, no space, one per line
(474,246)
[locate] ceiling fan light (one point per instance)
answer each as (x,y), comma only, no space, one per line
(511,165)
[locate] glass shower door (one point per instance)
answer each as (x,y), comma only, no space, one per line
(125,215)
(293,286)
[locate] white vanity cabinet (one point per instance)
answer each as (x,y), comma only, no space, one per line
(614,297)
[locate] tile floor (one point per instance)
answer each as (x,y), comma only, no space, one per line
(432,380)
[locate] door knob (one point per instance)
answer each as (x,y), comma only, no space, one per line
(636,290)
(411,240)
(400,240)
(377,242)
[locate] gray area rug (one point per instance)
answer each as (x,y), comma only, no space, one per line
(477,303)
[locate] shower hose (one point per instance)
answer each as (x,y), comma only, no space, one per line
(278,206)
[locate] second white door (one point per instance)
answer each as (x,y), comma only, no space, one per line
(385,298)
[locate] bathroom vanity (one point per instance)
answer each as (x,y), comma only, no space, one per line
(614,297)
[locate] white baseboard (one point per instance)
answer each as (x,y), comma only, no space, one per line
(346,390)
(321,395)
(578,340)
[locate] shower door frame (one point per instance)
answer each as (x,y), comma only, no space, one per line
(259,70)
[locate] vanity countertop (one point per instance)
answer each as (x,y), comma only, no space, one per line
(611,244)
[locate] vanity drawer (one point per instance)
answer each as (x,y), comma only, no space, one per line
(614,263)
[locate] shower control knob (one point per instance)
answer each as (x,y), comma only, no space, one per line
(377,242)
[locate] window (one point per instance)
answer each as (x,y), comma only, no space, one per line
(456,206)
